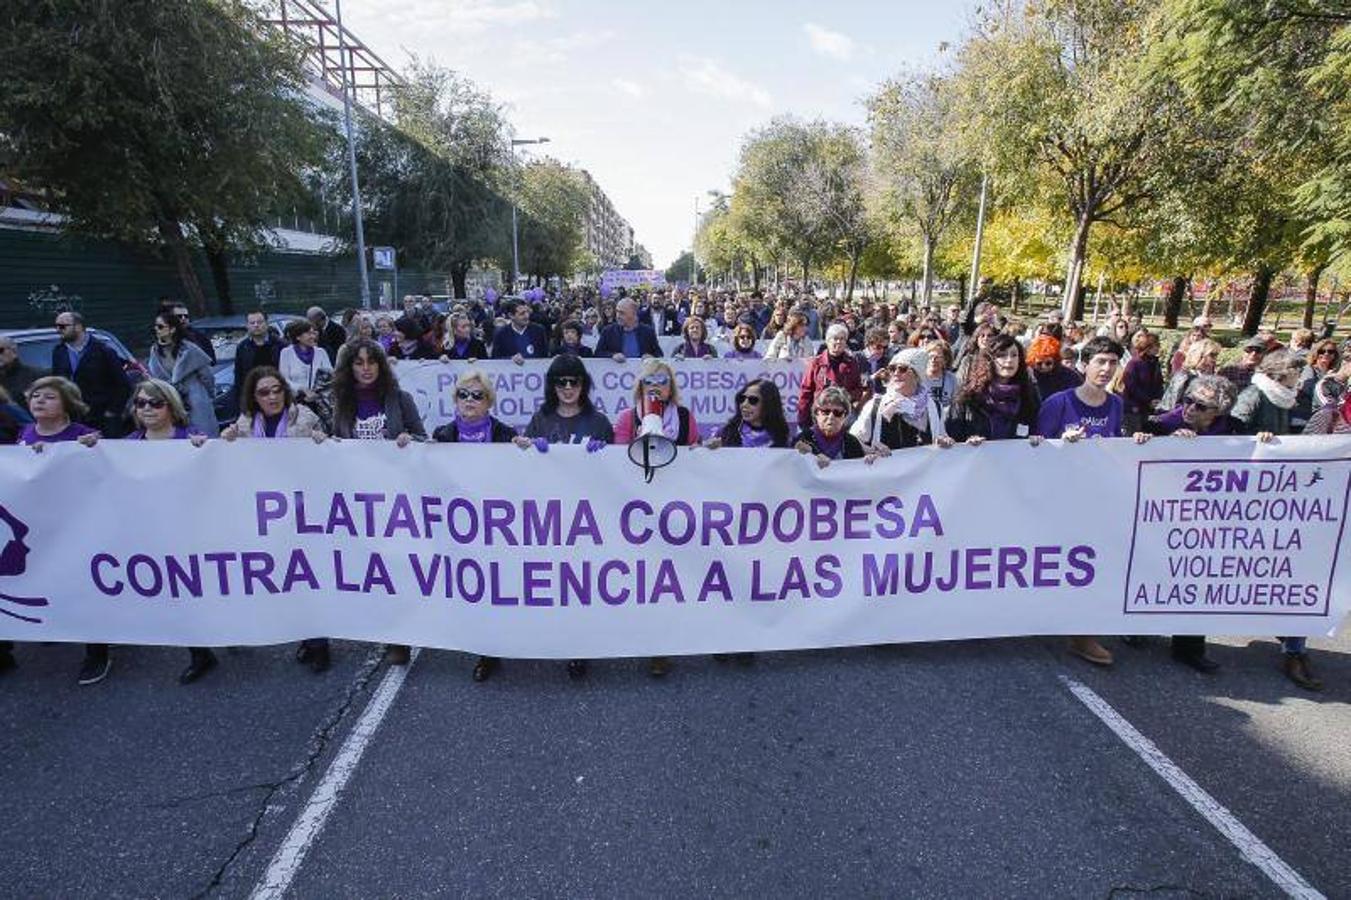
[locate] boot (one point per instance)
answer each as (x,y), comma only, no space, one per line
(1297,670)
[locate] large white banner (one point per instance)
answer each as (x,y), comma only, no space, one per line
(707,386)
(492,549)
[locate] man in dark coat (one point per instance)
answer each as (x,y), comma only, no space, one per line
(331,335)
(96,369)
(260,348)
(520,339)
(627,338)
(15,375)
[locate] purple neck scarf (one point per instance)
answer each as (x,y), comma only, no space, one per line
(474,432)
(831,447)
(260,426)
(755,437)
(1002,398)
(306,354)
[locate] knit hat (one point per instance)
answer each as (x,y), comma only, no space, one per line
(915,358)
(1043,348)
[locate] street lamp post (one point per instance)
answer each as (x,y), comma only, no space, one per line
(515,240)
(345,62)
(694,258)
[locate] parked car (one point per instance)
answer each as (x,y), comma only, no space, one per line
(227,331)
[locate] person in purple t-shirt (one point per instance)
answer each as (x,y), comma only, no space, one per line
(54,402)
(1088,410)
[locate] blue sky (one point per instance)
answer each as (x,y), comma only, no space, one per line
(654,98)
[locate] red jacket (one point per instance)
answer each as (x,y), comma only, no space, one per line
(846,373)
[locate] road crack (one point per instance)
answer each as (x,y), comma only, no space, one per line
(314,750)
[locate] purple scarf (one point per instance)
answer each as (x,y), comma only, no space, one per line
(305,354)
(260,426)
(755,437)
(831,447)
(474,432)
(1003,398)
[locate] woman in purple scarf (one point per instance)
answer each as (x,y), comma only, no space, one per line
(743,344)
(695,345)
(997,400)
(474,424)
(758,420)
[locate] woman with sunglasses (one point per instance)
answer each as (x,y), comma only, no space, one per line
(826,438)
(1202,357)
(1049,373)
(997,399)
(695,345)
(568,415)
(475,424)
(176,359)
(906,415)
(743,343)
(268,410)
(1324,358)
(758,421)
(157,413)
(655,392)
(368,405)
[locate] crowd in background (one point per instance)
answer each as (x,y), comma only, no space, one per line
(878,377)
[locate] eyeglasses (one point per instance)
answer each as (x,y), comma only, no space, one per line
(749,399)
(1328,351)
(656,380)
(148,403)
(1201,406)
(268,392)
(463,394)
(833,412)
(567,381)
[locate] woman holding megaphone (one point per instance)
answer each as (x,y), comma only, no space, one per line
(655,394)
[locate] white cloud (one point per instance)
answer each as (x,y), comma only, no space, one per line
(466,16)
(829,43)
(707,77)
(624,86)
(558,50)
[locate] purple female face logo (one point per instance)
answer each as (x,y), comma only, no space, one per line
(14,561)
(14,554)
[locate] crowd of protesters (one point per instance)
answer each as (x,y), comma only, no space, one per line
(878,377)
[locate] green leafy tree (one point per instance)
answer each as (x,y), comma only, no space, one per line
(155,122)
(555,200)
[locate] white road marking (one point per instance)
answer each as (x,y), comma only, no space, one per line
(1249,845)
(290,855)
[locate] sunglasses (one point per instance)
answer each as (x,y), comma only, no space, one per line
(833,412)
(1201,406)
(268,392)
(749,399)
(656,380)
(463,394)
(147,403)
(567,381)
(1328,352)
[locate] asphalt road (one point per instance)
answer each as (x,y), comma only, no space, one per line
(937,770)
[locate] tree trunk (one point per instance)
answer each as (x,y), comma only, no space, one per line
(172,235)
(458,273)
(1257,303)
(1311,294)
(806,272)
(853,277)
(1177,291)
(927,278)
(219,261)
(1017,294)
(1073,305)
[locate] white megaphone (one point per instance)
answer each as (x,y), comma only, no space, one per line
(651,449)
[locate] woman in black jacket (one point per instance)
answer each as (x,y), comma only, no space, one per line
(997,399)
(460,342)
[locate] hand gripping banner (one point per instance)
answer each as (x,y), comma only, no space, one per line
(509,552)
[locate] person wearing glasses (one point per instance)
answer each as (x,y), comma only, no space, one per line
(743,343)
(268,410)
(1324,358)
(1050,374)
(655,392)
(826,438)
(475,424)
(907,415)
(758,421)
(567,415)
(96,369)
(158,414)
(176,359)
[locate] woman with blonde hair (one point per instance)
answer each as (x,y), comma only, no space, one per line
(791,342)
(1201,358)
(655,393)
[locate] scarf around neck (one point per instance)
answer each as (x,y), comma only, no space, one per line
(831,447)
(913,409)
(1003,398)
(1273,390)
(755,437)
(260,425)
(474,432)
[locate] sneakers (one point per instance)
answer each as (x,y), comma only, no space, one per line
(1297,669)
(95,667)
(1088,649)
